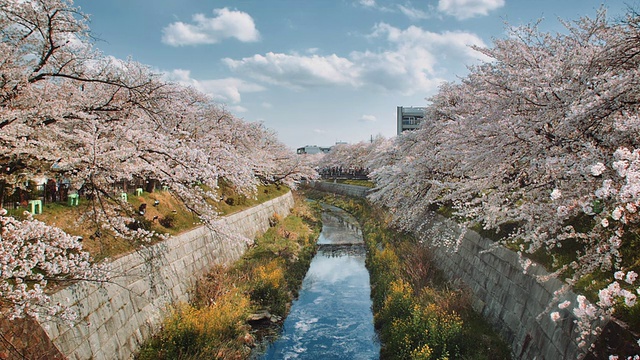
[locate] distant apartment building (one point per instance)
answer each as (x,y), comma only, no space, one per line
(409,118)
(312,149)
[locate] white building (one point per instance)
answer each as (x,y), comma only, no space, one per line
(409,118)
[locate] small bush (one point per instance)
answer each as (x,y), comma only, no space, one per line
(397,304)
(167,221)
(383,270)
(190,332)
(268,287)
(236,200)
(214,284)
(140,222)
(275,219)
(427,333)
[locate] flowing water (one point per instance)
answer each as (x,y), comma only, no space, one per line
(332,318)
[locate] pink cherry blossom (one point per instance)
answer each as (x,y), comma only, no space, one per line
(598,169)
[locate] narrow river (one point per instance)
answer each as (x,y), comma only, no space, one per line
(332,317)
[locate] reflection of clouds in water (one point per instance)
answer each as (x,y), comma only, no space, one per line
(339,235)
(322,239)
(332,270)
(338,227)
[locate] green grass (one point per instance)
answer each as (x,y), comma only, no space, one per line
(234,202)
(366,183)
(171,217)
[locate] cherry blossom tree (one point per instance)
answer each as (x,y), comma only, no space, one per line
(353,156)
(66,110)
(34,254)
(540,143)
(524,134)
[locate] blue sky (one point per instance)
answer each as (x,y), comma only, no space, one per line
(317,71)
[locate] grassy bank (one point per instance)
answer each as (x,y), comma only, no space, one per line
(260,286)
(165,214)
(418,314)
(365,183)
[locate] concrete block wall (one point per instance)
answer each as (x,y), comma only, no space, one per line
(517,301)
(115,318)
(342,189)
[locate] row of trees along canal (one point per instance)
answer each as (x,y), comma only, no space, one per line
(539,144)
(537,147)
(70,113)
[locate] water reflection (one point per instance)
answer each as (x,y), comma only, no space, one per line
(339,227)
(332,317)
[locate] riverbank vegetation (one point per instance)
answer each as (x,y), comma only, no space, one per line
(234,307)
(417,313)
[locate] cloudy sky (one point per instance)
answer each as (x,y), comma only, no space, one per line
(318,71)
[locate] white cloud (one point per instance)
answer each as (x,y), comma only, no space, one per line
(464,9)
(205,30)
(319,131)
(368,118)
(296,70)
(413,13)
(368,3)
(413,61)
(372,4)
(238,109)
(224,90)
(267,105)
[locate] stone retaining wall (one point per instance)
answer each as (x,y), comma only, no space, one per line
(515,298)
(117,317)
(342,189)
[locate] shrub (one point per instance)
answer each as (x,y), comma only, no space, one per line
(140,222)
(268,287)
(383,270)
(167,221)
(418,268)
(190,332)
(397,304)
(214,284)
(427,332)
(275,219)
(237,200)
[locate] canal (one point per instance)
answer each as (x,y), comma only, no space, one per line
(332,318)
